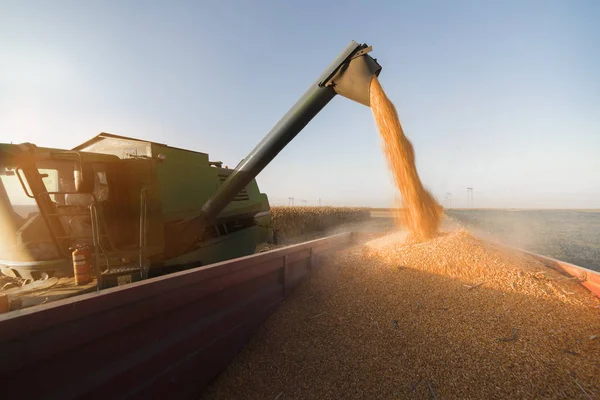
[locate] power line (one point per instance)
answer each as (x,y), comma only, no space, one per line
(449,199)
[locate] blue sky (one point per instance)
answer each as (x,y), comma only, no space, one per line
(500,96)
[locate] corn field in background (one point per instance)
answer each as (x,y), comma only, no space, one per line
(289,222)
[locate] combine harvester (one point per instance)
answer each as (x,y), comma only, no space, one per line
(116,204)
(145,208)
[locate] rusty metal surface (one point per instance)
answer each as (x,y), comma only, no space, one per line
(164,337)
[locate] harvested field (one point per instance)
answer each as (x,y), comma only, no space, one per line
(290,222)
(450,318)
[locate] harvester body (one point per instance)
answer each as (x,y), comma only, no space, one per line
(136,189)
(146,208)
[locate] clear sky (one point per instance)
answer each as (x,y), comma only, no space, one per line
(502,96)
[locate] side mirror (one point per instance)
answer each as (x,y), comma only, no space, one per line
(84,178)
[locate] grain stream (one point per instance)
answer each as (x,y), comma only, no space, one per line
(422,213)
(290,222)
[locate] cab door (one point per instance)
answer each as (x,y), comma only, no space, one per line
(134,212)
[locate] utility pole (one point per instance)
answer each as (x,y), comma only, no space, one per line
(319,202)
(470,196)
(290,201)
(449,198)
(305,202)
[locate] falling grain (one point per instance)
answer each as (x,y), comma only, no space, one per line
(422,213)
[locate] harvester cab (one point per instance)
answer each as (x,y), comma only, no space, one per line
(55,200)
(146,208)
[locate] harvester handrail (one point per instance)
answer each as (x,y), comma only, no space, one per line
(143,230)
(23,183)
(96,241)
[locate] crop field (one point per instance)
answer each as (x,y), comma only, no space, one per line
(289,222)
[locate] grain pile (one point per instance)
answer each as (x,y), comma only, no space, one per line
(290,222)
(423,214)
(413,320)
(458,254)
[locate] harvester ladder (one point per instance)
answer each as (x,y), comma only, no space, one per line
(142,266)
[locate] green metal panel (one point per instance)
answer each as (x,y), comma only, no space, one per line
(238,244)
(185,178)
(187,181)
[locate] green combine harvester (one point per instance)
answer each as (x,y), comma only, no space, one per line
(144,208)
(129,200)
